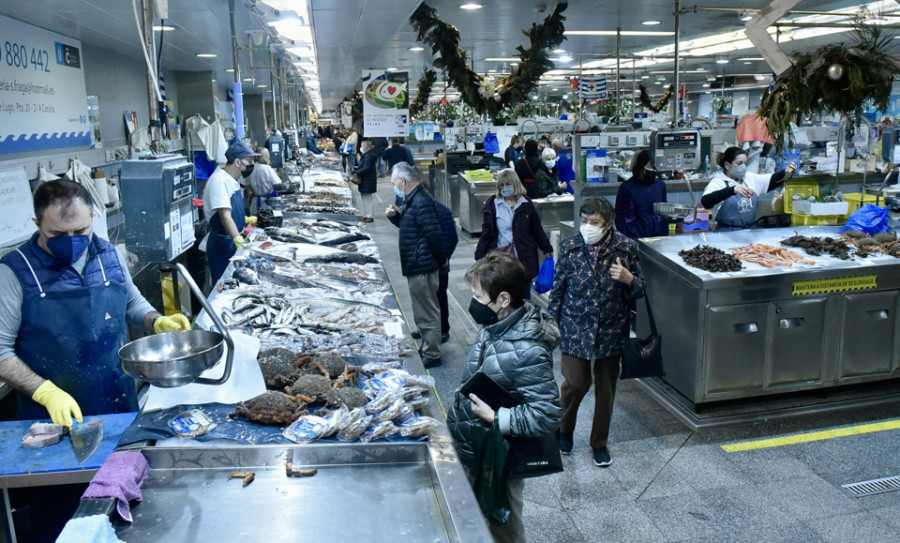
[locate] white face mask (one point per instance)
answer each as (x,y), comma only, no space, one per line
(592,234)
(507,190)
(550,164)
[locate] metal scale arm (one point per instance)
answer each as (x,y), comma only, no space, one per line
(229,354)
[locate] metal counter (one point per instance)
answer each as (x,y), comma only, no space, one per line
(554,210)
(472,197)
(762,332)
(385,492)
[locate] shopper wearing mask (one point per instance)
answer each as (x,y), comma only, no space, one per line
(738,190)
(422,254)
(634,203)
(367,171)
(509,155)
(511,224)
(564,168)
(528,166)
(67,300)
(547,176)
(514,348)
(261,181)
(223,206)
(597,279)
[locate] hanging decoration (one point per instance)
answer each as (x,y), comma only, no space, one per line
(417,106)
(644,99)
(835,78)
(515,88)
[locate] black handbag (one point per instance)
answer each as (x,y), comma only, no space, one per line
(528,456)
(642,357)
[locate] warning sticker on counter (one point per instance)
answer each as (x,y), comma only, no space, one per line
(821,286)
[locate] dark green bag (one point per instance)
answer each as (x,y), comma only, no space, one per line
(489,479)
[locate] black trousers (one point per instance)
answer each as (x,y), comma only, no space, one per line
(443,283)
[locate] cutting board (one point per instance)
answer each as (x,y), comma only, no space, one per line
(60,458)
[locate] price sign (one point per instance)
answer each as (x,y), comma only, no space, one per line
(42,98)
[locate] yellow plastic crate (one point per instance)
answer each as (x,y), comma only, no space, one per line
(804,188)
(798,219)
(857,200)
(478,175)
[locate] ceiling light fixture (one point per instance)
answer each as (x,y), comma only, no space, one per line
(470,6)
(206,55)
(163,28)
(565,96)
(558,51)
(417,48)
(565,58)
(650,23)
(722,60)
(514,60)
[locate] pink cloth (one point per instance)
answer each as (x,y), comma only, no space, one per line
(753,128)
(120,477)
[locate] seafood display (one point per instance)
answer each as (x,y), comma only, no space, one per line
(768,256)
(710,259)
(271,407)
(815,246)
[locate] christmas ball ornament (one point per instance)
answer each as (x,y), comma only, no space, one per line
(835,72)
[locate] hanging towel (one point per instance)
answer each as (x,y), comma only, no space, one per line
(92,529)
(119,477)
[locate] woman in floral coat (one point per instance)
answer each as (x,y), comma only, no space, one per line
(598,277)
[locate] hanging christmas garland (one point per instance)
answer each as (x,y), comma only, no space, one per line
(490,98)
(417,106)
(835,78)
(644,99)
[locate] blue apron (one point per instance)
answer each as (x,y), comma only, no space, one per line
(219,247)
(73,327)
(737,212)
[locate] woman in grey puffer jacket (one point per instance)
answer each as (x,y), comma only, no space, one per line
(514,348)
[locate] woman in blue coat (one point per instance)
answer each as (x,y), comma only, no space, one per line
(598,277)
(634,203)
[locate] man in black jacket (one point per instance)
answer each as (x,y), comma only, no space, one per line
(422,254)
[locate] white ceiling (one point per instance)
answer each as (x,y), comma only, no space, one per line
(352,35)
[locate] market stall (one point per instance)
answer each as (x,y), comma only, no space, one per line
(796,322)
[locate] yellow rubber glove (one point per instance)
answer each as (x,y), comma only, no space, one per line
(59,404)
(172,323)
(238,241)
(250,220)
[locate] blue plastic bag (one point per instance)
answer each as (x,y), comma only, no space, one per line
(544,280)
(870,219)
(491,144)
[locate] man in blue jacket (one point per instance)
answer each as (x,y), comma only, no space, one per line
(422,255)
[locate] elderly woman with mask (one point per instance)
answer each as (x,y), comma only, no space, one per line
(512,225)
(597,279)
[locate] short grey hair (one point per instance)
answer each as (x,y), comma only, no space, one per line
(402,170)
(548,153)
(509,176)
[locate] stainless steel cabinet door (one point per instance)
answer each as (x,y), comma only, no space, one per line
(735,348)
(796,350)
(867,342)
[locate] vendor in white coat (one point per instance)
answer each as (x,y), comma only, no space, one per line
(736,191)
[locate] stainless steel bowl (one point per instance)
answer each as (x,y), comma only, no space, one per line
(172,359)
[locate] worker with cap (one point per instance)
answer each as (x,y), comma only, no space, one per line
(223,206)
(67,296)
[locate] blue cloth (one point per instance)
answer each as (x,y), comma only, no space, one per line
(220,247)
(92,529)
(311,145)
(73,326)
(565,170)
(634,208)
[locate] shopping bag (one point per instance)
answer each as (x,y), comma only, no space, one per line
(491,451)
(544,280)
(642,357)
(491,143)
(870,219)
(346,148)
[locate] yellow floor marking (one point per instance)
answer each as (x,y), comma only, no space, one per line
(812,436)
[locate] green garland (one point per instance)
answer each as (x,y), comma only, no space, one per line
(835,78)
(644,99)
(535,61)
(417,106)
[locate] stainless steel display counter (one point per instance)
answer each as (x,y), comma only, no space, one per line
(473,195)
(762,332)
(385,492)
(554,210)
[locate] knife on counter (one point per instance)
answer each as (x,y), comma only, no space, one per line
(86,438)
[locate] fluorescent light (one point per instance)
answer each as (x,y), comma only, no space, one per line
(722,61)
(746,18)
(650,23)
(751,58)
(248,79)
(558,51)
(614,33)
(262,86)
(206,55)
(502,59)
(565,58)
(293,29)
(565,96)
(555,89)
(535,97)
(417,48)
(492,70)
(748,62)
(230,70)
(164,28)
(705,85)
(645,77)
(470,6)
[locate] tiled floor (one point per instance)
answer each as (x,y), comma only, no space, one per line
(669,484)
